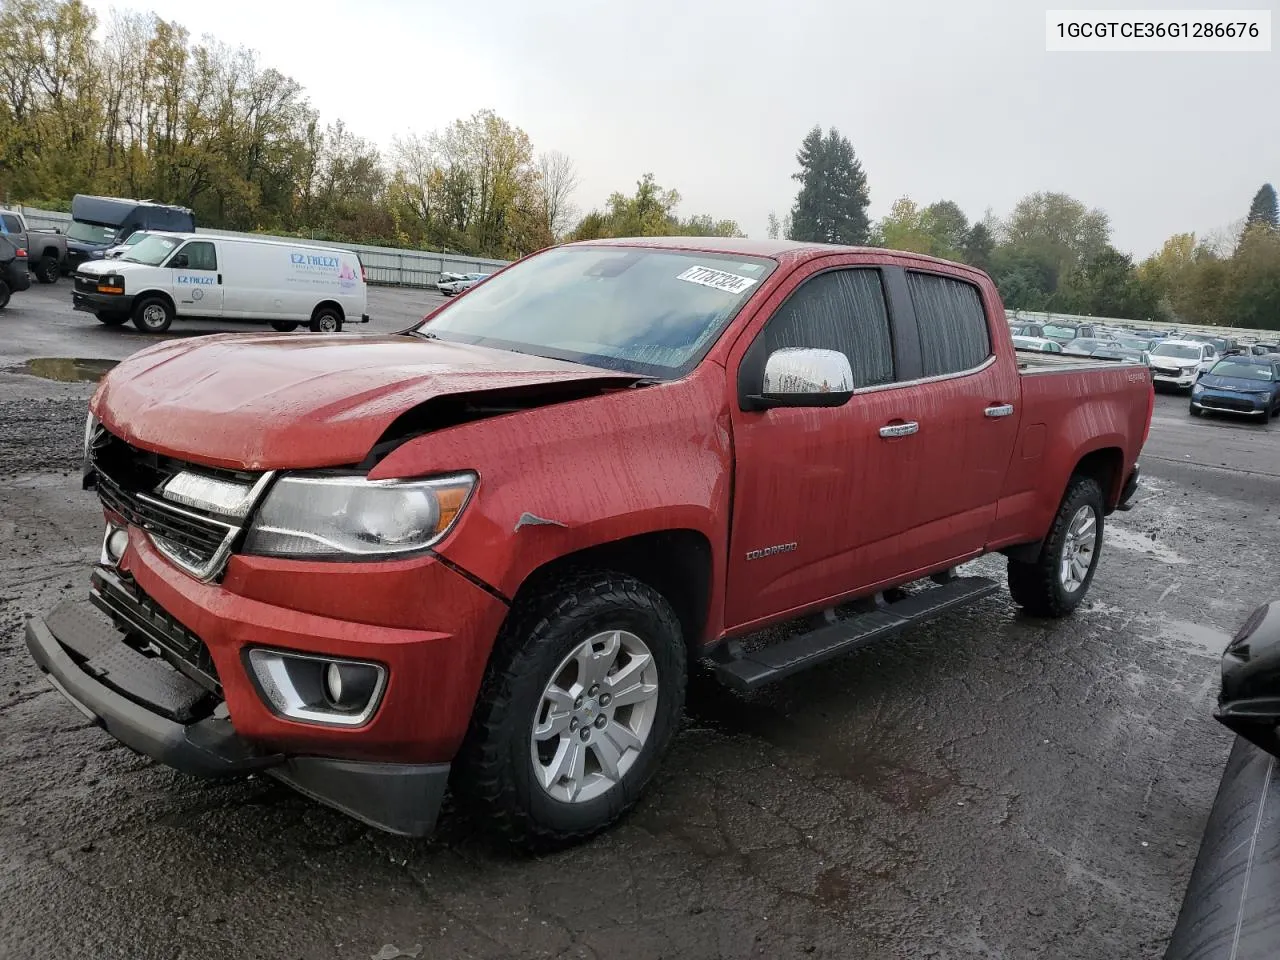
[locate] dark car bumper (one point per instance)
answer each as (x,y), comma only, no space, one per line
(16,275)
(154,709)
(1229,401)
(120,303)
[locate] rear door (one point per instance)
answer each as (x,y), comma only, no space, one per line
(197,282)
(967,402)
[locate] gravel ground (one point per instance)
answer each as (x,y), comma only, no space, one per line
(987,786)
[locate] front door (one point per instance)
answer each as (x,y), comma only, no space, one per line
(812,486)
(197,284)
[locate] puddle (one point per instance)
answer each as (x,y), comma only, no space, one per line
(1123,539)
(1203,639)
(65,369)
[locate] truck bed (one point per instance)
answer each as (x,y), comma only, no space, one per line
(1036,361)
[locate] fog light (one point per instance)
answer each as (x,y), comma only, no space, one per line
(350,685)
(318,689)
(117,543)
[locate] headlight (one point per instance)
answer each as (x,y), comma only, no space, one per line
(347,517)
(1197,390)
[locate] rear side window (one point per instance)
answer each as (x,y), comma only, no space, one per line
(840,310)
(201,256)
(953,326)
(11,224)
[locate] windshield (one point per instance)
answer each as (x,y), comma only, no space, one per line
(1178,350)
(90,232)
(639,310)
(136,237)
(152,250)
(1243,371)
(1053,330)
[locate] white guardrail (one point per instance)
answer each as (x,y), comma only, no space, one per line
(388,266)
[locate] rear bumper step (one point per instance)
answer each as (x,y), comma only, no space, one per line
(743,670)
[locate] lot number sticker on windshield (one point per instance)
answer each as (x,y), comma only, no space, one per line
(717,279)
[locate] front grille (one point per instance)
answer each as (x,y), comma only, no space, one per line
(86,284)
(1228,403)
(130,483)
(140,617)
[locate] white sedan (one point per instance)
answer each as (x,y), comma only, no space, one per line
(451,283)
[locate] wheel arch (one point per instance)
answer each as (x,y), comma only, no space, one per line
(676,562)
(153,294)
(342,314)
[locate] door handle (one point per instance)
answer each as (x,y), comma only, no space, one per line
(899,429)
(1000,410)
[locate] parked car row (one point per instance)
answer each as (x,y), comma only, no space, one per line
(1221,374)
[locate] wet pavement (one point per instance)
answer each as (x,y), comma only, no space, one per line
(987,786)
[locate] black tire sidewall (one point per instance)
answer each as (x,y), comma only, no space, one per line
(319,317)
(541,653)
(1083,492)
(111,319)
(284,326)
(142,305)
(5,294)
(46,270)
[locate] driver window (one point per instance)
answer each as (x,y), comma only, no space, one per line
(201,256)
(842,310)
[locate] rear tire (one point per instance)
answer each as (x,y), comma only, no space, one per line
(284,326)
(548,761)
(153,315)
(1055,582)
(326,320)
(46,270)
(5,294)
(112,319)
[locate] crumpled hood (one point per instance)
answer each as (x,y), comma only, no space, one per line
(264,402)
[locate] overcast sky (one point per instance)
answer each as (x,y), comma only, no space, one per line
(942,99)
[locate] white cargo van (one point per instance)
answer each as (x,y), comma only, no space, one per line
(175,275)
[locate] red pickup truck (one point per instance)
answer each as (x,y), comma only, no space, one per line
(484,552)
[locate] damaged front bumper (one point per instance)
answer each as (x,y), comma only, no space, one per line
(157,711)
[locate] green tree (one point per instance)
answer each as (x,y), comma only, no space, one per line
(1262,211)
(903,228)
(978,247)
(1056,230)
(831,206)
(649,212)
(1254,277)
(947,227)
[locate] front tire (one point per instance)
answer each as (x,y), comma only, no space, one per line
(153,315)
(5,294)
(47,270)
(284,326)
(580,701)
(112,319)
(1054,583)
(1196,411)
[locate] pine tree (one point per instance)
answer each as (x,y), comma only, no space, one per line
(1263,209)
(832,204)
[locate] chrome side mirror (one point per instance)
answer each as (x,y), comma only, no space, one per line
(805,377)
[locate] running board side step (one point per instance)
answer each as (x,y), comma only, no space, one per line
(749,670)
